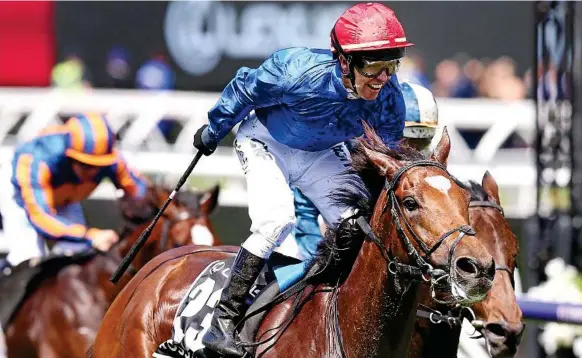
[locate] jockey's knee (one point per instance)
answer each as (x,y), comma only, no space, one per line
(266,238)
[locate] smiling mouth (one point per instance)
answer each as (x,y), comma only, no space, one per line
(375,87)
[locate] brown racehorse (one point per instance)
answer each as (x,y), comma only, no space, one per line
(499,315)
(356,307)
(61,317)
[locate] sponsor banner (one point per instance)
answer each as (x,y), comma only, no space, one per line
(204,43)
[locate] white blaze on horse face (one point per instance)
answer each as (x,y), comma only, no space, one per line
(201,235)
(440,183)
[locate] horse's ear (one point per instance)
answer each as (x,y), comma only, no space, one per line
(209,200)
(385,165)
(490,186)
(442,150)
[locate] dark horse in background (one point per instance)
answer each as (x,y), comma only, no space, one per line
(364,302)
(61,316)
(498,318)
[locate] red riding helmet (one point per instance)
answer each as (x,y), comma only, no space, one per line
(369,28)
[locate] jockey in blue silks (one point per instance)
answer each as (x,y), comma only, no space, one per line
(419,129)
(307,103)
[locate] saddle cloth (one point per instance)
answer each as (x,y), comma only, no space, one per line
(195,312)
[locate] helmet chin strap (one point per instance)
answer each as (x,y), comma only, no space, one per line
(350,76)
(349,81)
(352,92)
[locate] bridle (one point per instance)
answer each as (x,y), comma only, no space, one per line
(455,316)
(171,221)
(421,270)
(491,204)
(167,224)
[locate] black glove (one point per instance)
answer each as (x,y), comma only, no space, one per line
(202,141)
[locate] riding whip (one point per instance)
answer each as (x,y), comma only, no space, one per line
(130,256)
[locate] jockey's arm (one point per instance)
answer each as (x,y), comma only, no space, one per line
(127,179)
(249,89)
(34,180)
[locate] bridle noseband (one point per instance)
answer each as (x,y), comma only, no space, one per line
(422,270)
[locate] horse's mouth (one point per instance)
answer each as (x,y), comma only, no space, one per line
(501,343)
(500,348)
(456,289)
(467,292)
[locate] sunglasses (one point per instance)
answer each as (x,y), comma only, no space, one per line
(373,69)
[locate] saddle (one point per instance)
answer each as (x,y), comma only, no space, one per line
(17,283)
(195,312)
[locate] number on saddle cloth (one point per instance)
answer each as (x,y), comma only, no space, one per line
(195,312)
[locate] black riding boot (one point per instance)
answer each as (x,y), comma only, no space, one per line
(221,336)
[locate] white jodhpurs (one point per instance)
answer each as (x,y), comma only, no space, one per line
(24,242)
(270,167)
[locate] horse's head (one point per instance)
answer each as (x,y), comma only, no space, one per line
(421,216)
(185,221)
(499,317)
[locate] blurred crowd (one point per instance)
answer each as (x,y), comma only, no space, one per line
(154,74)
(457,77)
(466,77)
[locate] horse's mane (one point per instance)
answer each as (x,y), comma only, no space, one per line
(337,251)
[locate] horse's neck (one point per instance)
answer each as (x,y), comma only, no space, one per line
(375,319)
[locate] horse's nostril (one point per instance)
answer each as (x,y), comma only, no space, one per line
(490,270)
(467,266)
(496,329)
(511,332)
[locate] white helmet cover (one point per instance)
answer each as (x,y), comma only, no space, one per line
(422,115)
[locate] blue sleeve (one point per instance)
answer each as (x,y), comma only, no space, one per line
(393,115)
(249,89)
(33,179)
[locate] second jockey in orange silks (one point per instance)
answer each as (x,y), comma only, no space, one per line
(40,193)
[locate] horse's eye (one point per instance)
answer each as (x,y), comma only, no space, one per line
(410,204)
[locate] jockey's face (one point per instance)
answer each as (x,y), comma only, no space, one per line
(84,172)
(368,86)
